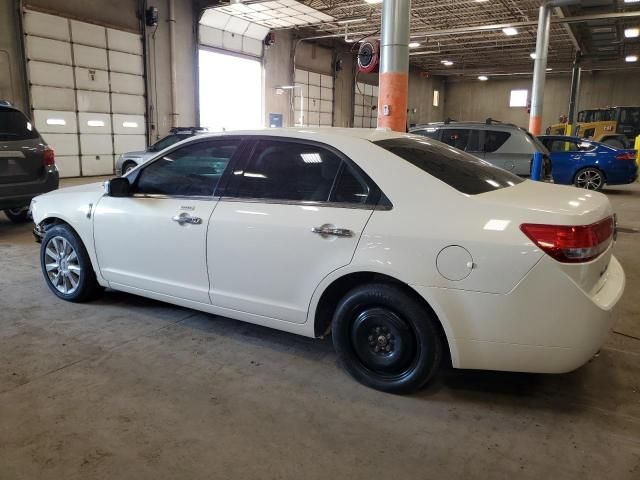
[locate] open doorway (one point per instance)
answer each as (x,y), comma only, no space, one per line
(230,91)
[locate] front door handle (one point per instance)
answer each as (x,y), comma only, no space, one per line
(327,230)
(186,218)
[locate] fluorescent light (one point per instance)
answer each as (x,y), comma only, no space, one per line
(631,32)
(56,121)
(447,63)
(483,78)
(631,1)
(481,1)
(414,44)
(533,55)
(311,157)
(510,31)
(95,123)
(130,124)
(631,58)
(549,69)
(373,1)
(351,20)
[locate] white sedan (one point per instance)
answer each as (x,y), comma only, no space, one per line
(410,253)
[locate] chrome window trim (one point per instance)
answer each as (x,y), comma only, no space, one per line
(306,203)
(174,197)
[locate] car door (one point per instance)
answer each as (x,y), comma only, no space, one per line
(466,139)
(499,154)
(569,156)
(155,240)
(292,215)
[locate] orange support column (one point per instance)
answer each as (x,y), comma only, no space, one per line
(393,85)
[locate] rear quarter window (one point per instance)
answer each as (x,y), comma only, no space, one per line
(460,170)
(15,126)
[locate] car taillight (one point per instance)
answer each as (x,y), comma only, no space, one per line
(49,158)
(571,244)
(627,156)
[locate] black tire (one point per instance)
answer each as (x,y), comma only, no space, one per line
(614,142)
(18,215)
(128,166)
(411,351)
(589,178)
(86,287)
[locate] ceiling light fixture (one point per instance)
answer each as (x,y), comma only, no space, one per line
(632,32)
(414,44)
(345,20)
(510,31)
(533,55)
(373,2)
(549,69)
(631,1)
(483,78)
(447,63)
(631,58)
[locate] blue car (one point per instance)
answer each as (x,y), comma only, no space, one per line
(588,164)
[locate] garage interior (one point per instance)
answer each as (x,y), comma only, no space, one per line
(127,387)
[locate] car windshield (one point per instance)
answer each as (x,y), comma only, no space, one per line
(167,142)
(15,126)
(460,170)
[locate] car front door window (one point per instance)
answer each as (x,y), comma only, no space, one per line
(193,170)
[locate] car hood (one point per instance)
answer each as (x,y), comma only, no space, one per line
(140,154)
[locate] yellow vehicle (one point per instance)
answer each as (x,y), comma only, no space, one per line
(615,126)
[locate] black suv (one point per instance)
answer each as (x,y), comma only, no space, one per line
(27,164)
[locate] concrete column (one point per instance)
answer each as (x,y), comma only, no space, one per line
(394,65)
(540,70)
(576,73)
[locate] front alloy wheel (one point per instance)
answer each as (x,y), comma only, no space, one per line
(590,179)
(62,266)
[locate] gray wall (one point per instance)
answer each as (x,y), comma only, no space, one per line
(475,100)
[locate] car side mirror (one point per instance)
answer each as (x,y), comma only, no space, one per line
(118,187)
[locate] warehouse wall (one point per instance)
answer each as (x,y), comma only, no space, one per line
(475,100)
(123,14)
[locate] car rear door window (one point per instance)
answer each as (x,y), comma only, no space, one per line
(465,139)
(350,187)
(192,170)
(493,140)
(289,171)
(15,126)
(460,170)
(428,132)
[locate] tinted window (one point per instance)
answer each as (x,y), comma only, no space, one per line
(193,170)
(462,171)
(282,170)
(167,142)
(15,126)
(570,146)
(493,140)
(350,188)
(428,132)
(462,139)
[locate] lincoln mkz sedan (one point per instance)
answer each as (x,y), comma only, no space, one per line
(408,252)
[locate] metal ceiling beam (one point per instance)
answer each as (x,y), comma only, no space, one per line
(500,26)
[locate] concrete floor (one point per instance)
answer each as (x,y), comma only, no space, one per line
(131,388)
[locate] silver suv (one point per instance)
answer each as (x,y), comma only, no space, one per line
(504,145)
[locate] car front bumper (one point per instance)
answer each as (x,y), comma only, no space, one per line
(546,324)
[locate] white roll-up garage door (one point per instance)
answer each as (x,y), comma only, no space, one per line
(87,91)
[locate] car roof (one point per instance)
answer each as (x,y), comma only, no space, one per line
(469,124)
(324,134)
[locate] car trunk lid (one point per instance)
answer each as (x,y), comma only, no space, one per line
(556,217)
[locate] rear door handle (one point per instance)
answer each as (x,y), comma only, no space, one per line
(327,230)
(186,218)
